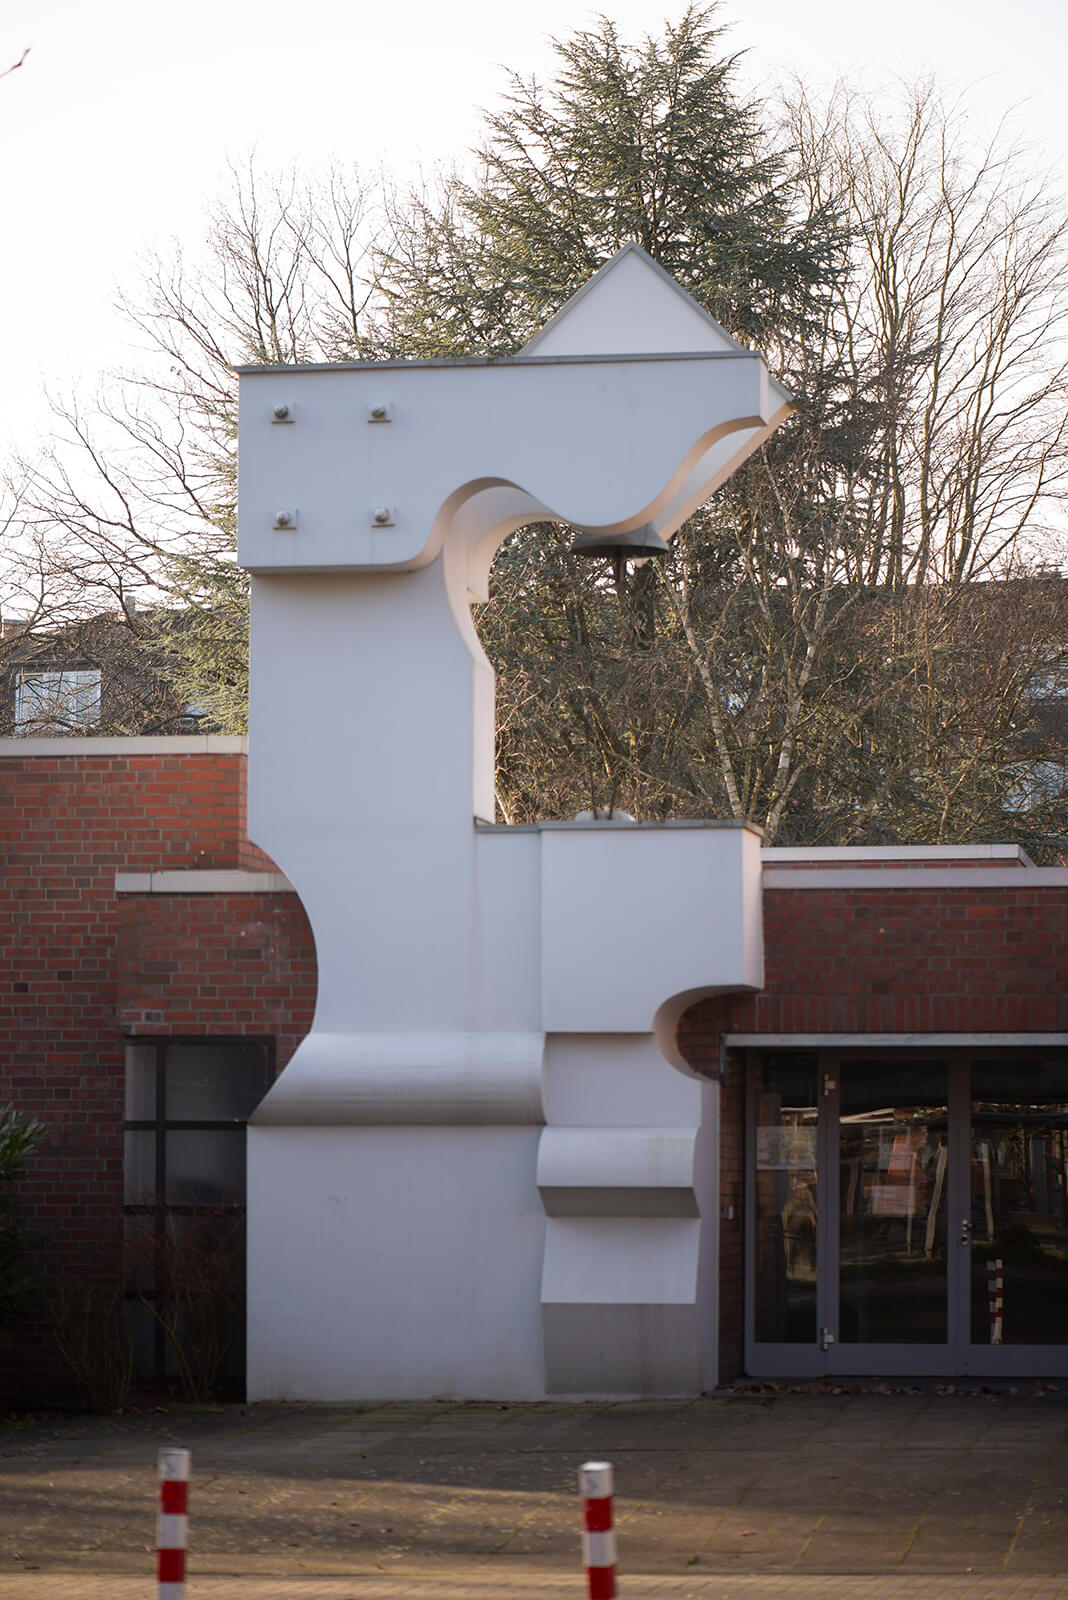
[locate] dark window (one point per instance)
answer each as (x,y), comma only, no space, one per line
(187,1104)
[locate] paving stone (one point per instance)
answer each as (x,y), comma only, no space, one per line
(752,1497)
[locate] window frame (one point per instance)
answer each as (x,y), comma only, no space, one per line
(159,1209)
(42,714)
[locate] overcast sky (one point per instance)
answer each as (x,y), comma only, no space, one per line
(117,131)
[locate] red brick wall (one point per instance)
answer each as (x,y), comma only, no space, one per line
(216,964)
(81,964)
(971,960)
(839,960)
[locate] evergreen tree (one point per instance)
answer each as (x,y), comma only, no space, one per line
(819,652)
(650,144)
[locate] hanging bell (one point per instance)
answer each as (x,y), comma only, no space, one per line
(636,545)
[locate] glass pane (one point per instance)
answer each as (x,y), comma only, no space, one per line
(1019,1276)
(139,1235)
(892,1203)
(66,699)
(215,1082)
(140,1082)
(141,1331)
(139,1188)
(206,1168)
(786,1200)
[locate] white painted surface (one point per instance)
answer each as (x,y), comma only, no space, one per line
(592,320)
(594,1079)
(397,1243)
(399,1079)
(390,1263)
(621,1261)
(604,445)
(617,1171)
(632,916)
(507,917)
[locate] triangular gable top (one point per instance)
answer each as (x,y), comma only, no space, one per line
(631,307)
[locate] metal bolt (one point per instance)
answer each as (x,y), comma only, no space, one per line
(378,412)
(382,517)
(281,414)
(284,519)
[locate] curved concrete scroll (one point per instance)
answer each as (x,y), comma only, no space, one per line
(409,1079)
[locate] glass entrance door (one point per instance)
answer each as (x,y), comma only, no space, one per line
(893,1171)
(1016,1218)
(907,1216)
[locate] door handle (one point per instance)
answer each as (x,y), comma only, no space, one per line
(965,1231)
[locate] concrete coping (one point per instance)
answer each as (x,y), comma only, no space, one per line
(203,881)
(401,364)
(831,855)
(157,744)
(916,877)
(620,825)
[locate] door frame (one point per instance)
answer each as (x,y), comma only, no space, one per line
(957,1357)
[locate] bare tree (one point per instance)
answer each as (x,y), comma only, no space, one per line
(15,65)
(133,506)
(851,641)
(856,639)
(952,332)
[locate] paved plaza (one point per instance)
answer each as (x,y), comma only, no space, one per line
(742,1497)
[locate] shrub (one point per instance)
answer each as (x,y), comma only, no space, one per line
(19,1138)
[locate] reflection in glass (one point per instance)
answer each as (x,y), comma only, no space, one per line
(205,1168)
(140,1082)
(892,1203)
(1019,1231)
(139,1187)
(215,1082)
(786,1200)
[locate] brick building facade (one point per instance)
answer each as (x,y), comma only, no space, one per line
(137,915)
(133,908)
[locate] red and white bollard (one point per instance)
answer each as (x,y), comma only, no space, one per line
(995,1288)
(172,1523)
(598,1535)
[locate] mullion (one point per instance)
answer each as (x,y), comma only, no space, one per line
(159,1350)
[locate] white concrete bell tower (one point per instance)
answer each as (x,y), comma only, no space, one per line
(479,1175)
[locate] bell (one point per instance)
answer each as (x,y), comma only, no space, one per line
(634,546)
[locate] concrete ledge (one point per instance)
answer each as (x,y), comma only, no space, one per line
(432,1079)
(964,878)
(896,1041)
(225,881)
(179,744)
(617,1172)
(820,855)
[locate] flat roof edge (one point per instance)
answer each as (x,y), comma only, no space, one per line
(895,852)
(75,745)
(885,879)
(428,363)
